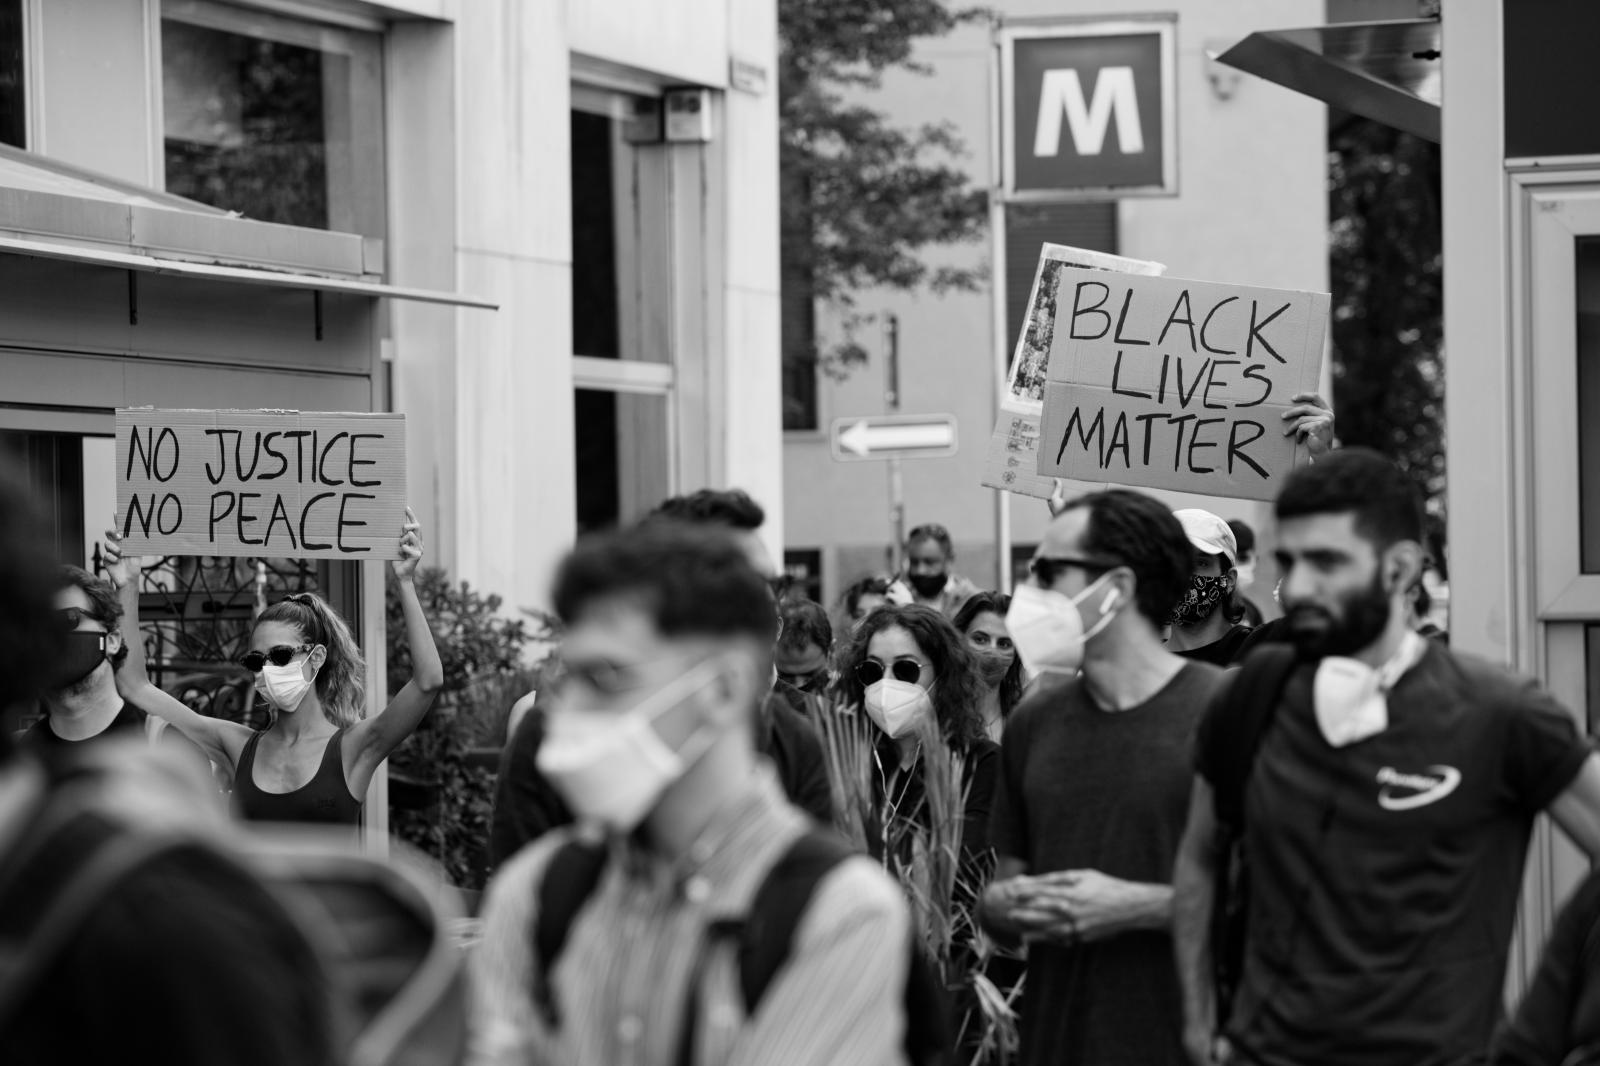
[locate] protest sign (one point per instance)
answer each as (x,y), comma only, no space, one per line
(1176,384)
(1013,457)
(261,483)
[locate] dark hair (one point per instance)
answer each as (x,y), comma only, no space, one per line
(958,686)
(1382,497)
(1244,538)
(718,507)
(993,603)
(936,533)
(30,638)
(867,586)
(104,605)
(804,622)
(691,580)
(1142,534)
(342,681)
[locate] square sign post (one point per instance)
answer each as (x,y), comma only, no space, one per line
(1088,110)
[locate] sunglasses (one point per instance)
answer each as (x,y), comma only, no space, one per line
(1049,567)
(906,669)
(278,655)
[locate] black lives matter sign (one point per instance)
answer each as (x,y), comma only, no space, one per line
(1174,384)
(261,483)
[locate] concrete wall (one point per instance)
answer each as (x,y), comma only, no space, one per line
(1251,208)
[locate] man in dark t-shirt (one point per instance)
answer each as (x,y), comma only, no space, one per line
(1094,786)
(1386,813)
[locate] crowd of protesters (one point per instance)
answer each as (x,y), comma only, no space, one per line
(1114,817)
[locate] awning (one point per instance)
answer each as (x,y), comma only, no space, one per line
(1385,71)
(53,210)
(244,275)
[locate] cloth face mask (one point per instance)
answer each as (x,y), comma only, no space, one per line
(284,687)
(1046,627)
(612,767)
(1351,698)
(1200,599)
(929,585)
(81,656)
(993,665)
(897,707)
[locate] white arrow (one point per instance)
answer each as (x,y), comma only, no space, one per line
(864,438)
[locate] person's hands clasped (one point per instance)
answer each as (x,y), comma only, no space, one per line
(1311,419)
(405,567)
(1089,905)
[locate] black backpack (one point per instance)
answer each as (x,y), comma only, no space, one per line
(1240,723)
(765,937)
(376,932)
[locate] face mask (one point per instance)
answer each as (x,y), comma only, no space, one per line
(813,682)
(81,655)
(1351,698)
(898,707)
(1247,574)
(929,585)
(284,687)
(1047,627)
(612,767)
(1200,599)
(994,665)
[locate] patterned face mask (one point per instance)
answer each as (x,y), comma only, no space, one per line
(1200,599)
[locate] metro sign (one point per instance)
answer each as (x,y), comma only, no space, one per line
(1088,110)
(894,437)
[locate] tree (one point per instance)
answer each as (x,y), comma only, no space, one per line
(861,196)
(1387,276)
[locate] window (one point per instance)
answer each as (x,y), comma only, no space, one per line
(1092,226)
(13,77)
(803,568)
(799,311)
(277,119)
(622,457)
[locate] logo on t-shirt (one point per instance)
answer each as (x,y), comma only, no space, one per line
(1404,792)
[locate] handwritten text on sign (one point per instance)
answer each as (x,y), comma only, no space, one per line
(1177,384)
(261,483)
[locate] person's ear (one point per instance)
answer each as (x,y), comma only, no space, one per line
(1402,566)
(733,690)
(113,641)
(318,657)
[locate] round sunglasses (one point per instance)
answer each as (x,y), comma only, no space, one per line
(904,669)
(277,655)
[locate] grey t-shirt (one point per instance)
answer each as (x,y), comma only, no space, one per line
(1084,788)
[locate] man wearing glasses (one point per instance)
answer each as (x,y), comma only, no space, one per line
(82,704)
(1094,780)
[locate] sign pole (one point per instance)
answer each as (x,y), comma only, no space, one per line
(897,502)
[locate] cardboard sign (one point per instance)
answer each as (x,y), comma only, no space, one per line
(261,483)
(1012,462)
(1175,384)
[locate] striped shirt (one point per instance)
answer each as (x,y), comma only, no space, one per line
(621,980)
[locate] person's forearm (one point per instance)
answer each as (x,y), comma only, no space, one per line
(1193,891)
(1152,907)
(427,673)
(133,667)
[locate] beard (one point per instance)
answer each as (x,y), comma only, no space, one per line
(1360,619)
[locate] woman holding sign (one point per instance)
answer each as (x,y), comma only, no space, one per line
(314,763)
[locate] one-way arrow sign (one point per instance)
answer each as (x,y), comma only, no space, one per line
(894,437)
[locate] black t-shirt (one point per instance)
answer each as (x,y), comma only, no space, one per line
(129,718)
(1222,652)
(1385,874)
(1084,788)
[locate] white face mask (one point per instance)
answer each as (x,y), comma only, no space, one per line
(1247,574)
(1351,699)
(1046,627)
(898,707)
(285,687)
(612,767)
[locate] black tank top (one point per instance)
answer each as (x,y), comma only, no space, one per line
(325,798)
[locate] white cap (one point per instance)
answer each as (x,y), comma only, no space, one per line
(1208,533)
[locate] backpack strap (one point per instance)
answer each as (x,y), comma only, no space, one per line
(569,880)
(1242,720)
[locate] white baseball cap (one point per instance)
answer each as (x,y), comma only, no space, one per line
(1208,533)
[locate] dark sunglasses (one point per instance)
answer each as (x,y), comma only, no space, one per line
(278,655)
(1049,567)
(907,670)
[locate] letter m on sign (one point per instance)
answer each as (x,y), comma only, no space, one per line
(1089,108)
(1061,93)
